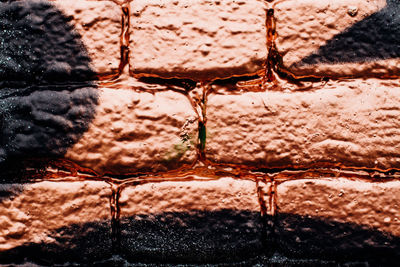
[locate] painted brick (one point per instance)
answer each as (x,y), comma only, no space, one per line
(344,123)
(99,25)
(339,38)
(197,39)
(191,221)
(339,218)
(137,132)
(59,41)
(55,221)
(43,121)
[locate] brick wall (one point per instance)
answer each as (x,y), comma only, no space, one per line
(199,132)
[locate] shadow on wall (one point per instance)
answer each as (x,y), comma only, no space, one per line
(306,236)
(45,103)
(86,242)
(376,37)
(223,236)
(230,237)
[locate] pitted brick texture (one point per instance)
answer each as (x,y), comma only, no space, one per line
(138,132)
(349,123)
(142,128)
(191,221)
(197,39)
(39,44)
(44,121)
(35,213)
(59,40)
(99,25)
(339,38)
(344,210)
(186,196)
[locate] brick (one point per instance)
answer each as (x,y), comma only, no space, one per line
(201,40)
(339,218)
(191,221)
(339,38)
(138,132)
(55,221)
(115,131)
(43,121)
(47,41)
(344,123)
(99,25)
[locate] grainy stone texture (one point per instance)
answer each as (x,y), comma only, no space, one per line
(40,44)
(55,221)
(191,221)
(347,123)
(58,40)
(138,132)
(339,38)
(99,25)
(197,39)
(43,121)
(339,218)
(131,127)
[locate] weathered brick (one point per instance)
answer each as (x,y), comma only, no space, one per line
(339,38)
(99,25)
(191,221)
(47,41)
(55,221)
(346,123)
(339,218)
(43,121)
(197,39)
(138,132)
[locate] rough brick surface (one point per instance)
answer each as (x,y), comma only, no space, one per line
(47,41)
(50,108)
(191,221)
(46,219)
(138,132)
(39,44)
(339,218)
(339,38)
(99,25)
(197,39)
(43,121)
(349,123)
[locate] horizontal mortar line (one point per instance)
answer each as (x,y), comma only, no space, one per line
(215,172)
(175,81)
(163,81)
(21,85)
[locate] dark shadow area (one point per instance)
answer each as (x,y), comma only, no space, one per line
(316,238)
(45,105)
(185,84)
(83,243)
(41,122)
(373,38)
(38,44)
(8,191)
(220,238)
(195,237)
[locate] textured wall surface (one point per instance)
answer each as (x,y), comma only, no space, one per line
(217,133)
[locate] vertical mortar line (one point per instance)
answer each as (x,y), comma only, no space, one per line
(202,135)
(125,36)
(274,213)
(270,25)
(271,62)
(268,209)
(261,200)
(273,197)
(115,217)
